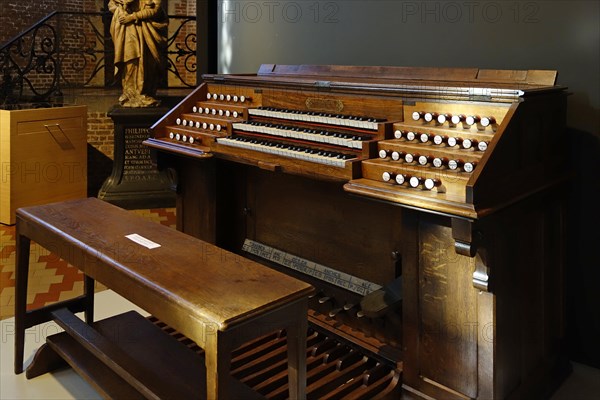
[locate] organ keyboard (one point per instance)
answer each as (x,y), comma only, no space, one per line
(464,166)
(316,117)
(287,149)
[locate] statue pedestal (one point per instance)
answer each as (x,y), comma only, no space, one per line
(134,182)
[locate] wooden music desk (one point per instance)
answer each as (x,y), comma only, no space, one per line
(216,298)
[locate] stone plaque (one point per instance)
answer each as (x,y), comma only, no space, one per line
(137,166)
(134,181)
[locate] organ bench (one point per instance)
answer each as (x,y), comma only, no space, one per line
(218,299)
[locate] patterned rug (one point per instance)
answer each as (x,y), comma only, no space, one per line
(50,278)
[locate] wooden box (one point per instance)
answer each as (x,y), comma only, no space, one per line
(43,157)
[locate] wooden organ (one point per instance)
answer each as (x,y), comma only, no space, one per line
(424,204)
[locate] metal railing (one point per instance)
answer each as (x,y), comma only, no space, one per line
(74,50)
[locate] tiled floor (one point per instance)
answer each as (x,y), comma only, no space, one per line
(50,278)
(59,385)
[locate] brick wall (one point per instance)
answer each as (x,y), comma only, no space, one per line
(100,148)
(74,35)
(184,8)
(16,16)
(100,132)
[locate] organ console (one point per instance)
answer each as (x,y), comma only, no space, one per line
(425,205)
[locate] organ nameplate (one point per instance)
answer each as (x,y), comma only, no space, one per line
(335,277)
(326,105)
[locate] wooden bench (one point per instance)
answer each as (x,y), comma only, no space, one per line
(214,297)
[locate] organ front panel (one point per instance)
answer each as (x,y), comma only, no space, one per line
(422,203)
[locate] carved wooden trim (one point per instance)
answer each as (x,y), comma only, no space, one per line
(462,232)
(481,275)
(467,242)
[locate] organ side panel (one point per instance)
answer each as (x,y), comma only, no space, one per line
(525,255)
(440,311)
(504,339)
(530,155)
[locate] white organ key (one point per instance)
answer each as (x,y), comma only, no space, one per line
(350,121)
(290,151)
(298,134)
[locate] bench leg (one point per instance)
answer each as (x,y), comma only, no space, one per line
(21,279)
(296,341)
(218,365)
(88,291)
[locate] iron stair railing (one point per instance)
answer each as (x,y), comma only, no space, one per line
(74,50)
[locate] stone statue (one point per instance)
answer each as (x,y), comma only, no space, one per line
(139,33)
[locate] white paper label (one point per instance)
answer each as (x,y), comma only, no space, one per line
(142,241)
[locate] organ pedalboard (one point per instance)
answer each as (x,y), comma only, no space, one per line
(413,199)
